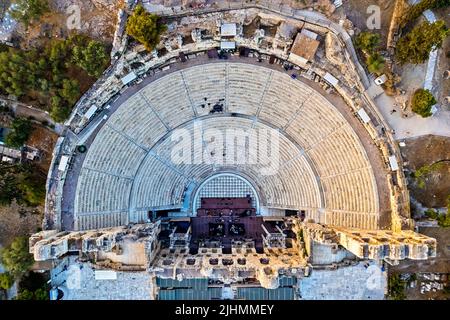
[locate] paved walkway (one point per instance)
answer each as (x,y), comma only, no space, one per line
(414,125)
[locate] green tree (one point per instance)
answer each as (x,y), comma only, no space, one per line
(422,102)
(145,27)
(27,11)
(416,46)
(22,182)
(93,58)
(41,294)
(16,258)
(375,63)
(70,91)
(6,280)
(59,109)
(20,131)
(368,42)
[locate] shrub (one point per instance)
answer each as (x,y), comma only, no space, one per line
(416,10)
(92,58)
(422,102)
(375,64)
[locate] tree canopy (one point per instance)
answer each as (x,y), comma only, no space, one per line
(47,75)
(369,44)
(416,46)
(422,102)
(16,258)
(20,131)
(27,11)
(368,41)
(24,183)
(6,280)
(375,63)
(92,58)
(39,294)
(145,27)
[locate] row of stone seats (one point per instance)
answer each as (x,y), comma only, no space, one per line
(158,185)
(136,119)
(183,154)
(246,85)
(168,97)
(316,119)
(294,186)
(352,220)
(339,153)
(206,86)
(138,216)
(103,220)
(101,192)
(353,192)
(284,97)
(307,117)
(113,153)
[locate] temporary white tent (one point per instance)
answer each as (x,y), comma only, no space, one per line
(363,115)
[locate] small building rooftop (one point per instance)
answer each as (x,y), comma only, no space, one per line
(305,46)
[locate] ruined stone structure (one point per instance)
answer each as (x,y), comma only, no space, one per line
(218,229)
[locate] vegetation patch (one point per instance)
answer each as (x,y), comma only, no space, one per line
(16,258)
(396,287)
(20,131)
(369,44)
(33,286)
(27,11)
(145,27)
(442,219)
(415,11)
(23,183)
(45,76)
(420,174)
(422,102)
(416,46)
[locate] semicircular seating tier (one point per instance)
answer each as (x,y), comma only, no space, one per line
(321,167)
